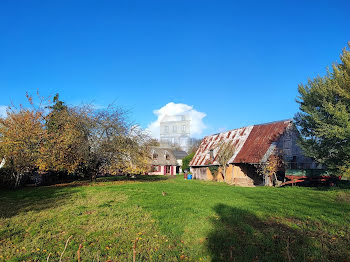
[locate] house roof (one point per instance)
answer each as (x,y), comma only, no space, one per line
(179,154)
(251,143)
(161,159)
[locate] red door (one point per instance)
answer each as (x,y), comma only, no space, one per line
(172,170)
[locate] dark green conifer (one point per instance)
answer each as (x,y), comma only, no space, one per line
(324,117)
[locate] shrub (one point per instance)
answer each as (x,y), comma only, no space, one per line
(186,161)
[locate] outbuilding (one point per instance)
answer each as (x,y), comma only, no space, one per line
(253,145)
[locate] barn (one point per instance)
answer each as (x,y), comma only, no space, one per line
(253,145)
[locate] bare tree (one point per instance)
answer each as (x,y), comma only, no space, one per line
(153,141)
(195,145)
(118,146)
(225,151)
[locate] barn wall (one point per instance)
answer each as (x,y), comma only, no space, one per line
(210,176)
(287,144)
(219,175)
(245,175)
(236,174)
(199,173)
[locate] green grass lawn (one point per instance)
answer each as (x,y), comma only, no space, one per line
(193,221)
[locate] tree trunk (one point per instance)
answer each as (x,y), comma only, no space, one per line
(267,180)
(17,178)
(93,177)
(224,173)
(275,180)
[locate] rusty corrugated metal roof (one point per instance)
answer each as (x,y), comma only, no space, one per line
(251,143)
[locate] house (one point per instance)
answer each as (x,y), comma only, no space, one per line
(164,161)
(179,155)
(252,145)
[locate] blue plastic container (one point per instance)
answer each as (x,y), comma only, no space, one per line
(189,176)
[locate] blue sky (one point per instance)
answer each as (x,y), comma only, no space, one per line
(239,62)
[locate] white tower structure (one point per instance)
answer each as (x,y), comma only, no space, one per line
(175,131)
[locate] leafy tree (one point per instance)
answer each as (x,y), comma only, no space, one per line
(186,161)
(76,140)
(67,145)
(139,147)
(117,146)
(53,119)
(88,141)
(108,141)
(271,167)
(22,137)
(324,117)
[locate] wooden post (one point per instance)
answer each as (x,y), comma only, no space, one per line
(233,167)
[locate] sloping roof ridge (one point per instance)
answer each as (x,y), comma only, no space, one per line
(246,139)
(227,131)
(182,151)
(268,123)
(273,122)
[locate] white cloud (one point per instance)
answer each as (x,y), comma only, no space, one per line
(172,109)
(3,110)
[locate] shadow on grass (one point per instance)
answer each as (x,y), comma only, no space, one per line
(38,198)
(239,235)
(14,202)
(116,179)
(343,184)
(137,178)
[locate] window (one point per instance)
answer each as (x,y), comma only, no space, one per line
(167,156)
(166,129)
(155,156)
(183,128)
(174,129)
(155,168)
(211,154)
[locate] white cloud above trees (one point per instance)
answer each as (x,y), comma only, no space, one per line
(173,109)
